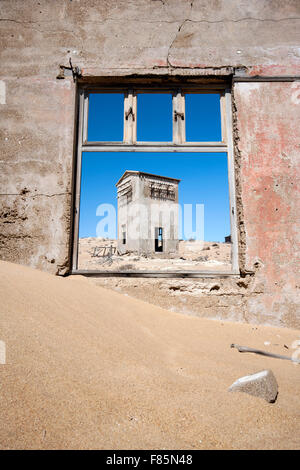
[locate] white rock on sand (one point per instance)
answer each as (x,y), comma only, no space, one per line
(262,384)
(90,368)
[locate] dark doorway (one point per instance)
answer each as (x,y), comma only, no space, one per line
(158,239)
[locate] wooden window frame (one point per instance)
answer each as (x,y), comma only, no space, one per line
(179,144)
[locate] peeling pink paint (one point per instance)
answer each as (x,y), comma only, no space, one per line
(274,70)
(268,122)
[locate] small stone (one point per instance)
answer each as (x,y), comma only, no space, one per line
(262,384)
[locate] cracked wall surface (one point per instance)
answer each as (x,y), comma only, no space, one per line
(182,38)
(269,149)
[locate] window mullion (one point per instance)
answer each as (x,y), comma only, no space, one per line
(127,130)
(130,108)
(134,116)
(178,118)
(176,130)
(182,121)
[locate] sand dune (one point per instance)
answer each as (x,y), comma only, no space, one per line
(88,367)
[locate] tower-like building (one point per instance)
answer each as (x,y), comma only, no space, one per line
(147,213)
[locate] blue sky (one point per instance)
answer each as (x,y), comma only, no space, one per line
(204,177)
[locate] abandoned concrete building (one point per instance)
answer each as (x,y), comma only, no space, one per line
(152,227)
(53,53)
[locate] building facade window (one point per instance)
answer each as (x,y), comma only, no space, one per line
(155,121)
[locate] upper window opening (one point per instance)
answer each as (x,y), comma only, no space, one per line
(105,118)
(135,117)
(203,117)
(154,117)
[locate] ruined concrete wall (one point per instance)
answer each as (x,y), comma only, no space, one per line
(126,221)
(37,123)
(268,116)
(154,37)
(158,212)
(140,217)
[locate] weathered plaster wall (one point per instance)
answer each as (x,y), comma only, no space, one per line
(165,37)
(37,146)
(268,116)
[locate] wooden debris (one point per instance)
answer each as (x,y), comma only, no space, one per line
(263,353)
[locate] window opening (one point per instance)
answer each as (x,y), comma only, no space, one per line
(154,121)
(159,239)
(105,117)
(150,164)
